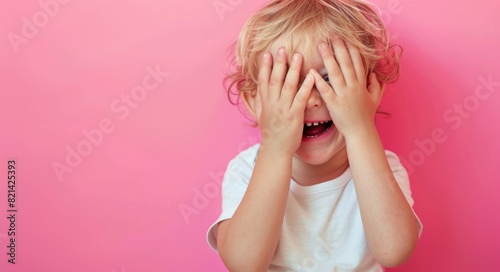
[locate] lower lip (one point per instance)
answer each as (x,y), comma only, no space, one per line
(325,134)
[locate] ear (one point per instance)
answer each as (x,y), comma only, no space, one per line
(251,103)
(382,91)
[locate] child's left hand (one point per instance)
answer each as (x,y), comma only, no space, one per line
(351,103)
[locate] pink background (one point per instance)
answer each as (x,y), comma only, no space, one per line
(118,208)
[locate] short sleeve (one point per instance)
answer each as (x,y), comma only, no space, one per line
(403,180)
(234,186)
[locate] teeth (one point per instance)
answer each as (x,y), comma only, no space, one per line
(316,123)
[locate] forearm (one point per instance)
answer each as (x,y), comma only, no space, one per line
(388,220)
(252,234)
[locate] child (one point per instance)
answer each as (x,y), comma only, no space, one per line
(319,193)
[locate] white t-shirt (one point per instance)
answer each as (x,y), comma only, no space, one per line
(322,228)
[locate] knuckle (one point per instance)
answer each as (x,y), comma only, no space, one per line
(261,87)
(328,56)
(306,85)
(324,89)
(301,98)
(288,86)
(336,73)
(295,65)
(327,52)
(348,63)
(262,80)
(275,81)
(262,77)
(279,61)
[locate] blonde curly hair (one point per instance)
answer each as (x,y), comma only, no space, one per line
(302,22)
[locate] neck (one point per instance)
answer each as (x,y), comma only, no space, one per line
(307,175)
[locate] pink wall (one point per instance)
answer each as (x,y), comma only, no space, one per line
(79,76)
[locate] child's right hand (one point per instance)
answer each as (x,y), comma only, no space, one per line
(279,106)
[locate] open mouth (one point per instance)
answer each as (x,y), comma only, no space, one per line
(313,130)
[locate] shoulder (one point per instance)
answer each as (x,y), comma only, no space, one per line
(394,161)
(246,157)
(399,172)
(242,164)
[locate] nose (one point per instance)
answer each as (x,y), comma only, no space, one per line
(314,100)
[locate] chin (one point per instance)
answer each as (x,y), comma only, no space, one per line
(322,155)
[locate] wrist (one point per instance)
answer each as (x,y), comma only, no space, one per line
(274,152)
(364,133)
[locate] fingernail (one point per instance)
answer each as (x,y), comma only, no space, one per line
(296,57)
(322,46)
(281,51)
(308,77)
(266,55)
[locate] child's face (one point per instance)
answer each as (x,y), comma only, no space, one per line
(320,143)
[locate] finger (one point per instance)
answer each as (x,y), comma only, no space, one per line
(300,101)
(292,79)
(357,61)
(374,88)
(325,90)
(344,60)
(264,74)
(258,106)
(277,75)
(332,68)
